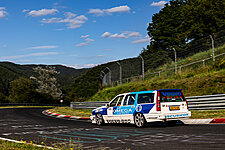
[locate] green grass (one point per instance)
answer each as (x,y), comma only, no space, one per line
(207,114)
(25,106)
(193,58)
(72,112)
(6,145)
(204,83)
(195,114)
(194,80)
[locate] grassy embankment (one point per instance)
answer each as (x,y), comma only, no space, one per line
(71,112)
(193,80)
(207,82)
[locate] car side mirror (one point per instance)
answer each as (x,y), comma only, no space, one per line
(107,105)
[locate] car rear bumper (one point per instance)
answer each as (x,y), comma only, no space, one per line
(167,116)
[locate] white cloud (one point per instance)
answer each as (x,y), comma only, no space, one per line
(87,42)
(132,34)
(123,35)
(30,55)
(42,47)
(3,13)
(96,11)
(70,14)
(141,41)
(78,66)
(84,36)
(106,34)
(119,9)
(118,36)
(42,12)
(159,4)
(25,10)
(60,29)
(72,20)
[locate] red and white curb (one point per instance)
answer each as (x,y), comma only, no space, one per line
(204,121)
(185,121)
(47,112)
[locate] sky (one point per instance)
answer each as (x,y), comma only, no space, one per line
(75,33)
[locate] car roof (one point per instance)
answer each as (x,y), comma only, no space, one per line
(150,91)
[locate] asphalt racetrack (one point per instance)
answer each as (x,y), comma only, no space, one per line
(29,124)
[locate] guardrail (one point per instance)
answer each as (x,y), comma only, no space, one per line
(29,104)
(86,105)
(205,102)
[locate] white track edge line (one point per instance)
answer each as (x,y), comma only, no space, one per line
(15,141)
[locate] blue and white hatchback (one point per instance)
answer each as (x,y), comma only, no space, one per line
(141,107)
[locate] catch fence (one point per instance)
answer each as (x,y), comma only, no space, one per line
(212,48)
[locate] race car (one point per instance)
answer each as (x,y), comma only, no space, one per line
(142,107)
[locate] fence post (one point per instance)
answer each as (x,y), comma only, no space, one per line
(110,75)
(143,67)
(120,72)
(180,69)
(159,73)
(175,55)
(213,55)
(203,62)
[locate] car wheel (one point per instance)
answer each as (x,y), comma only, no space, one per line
(99,119)
(139,120)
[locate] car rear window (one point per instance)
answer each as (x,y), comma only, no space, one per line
(145,98)
(171,96)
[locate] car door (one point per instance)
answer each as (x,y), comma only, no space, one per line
(113,111)
(128,108)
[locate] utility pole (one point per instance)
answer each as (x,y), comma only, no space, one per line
(120,72)
(175,53)
(143,67)
(213,55)
(110,75)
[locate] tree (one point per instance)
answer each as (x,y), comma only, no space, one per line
(3,98)
(203,17)
(46,81)
(165,29)
(23,91)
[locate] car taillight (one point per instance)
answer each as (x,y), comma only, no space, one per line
(158,108)
(186,103)
(185,100)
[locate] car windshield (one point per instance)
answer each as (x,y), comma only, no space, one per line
(171,96)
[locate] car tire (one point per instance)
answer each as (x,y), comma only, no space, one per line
(139,120)
(99,119)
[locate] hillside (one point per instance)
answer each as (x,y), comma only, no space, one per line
(205,83)
(90,83)
(10,71)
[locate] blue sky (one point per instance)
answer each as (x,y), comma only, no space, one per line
(76,33)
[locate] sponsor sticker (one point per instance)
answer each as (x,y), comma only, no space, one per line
(138,108)
(176,116)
